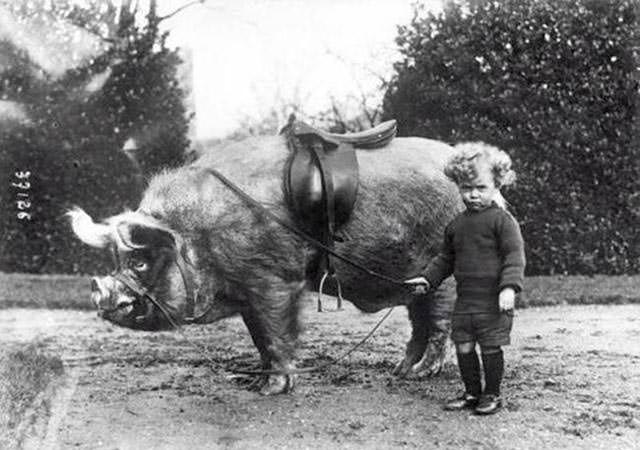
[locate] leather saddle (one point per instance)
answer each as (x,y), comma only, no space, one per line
(321,176)
(374,137)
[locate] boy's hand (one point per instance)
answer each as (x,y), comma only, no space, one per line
(420,285)
(507,299)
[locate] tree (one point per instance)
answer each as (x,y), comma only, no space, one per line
(78,121)
(555,84)
(355,113)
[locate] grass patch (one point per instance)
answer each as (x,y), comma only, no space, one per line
(580,290)
(25,372)
(21,290)
(72,292)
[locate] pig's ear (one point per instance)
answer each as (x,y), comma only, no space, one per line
(91,233)
(138,236)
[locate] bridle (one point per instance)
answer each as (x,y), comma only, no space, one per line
(143,291)
(316,243)
(297,231)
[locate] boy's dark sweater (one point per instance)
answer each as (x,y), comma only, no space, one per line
(484,250)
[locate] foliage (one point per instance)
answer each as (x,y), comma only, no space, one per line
(76,126)
(25,372)
(352,115)
(49,291)
(554,83)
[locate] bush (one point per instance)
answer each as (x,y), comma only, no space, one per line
(554,84)
(25,372)
(71,144)
(94,176)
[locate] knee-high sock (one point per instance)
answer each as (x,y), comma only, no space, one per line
(493,369)
(470,372)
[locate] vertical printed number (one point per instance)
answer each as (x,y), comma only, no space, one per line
(23,203)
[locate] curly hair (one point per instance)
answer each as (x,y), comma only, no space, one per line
(463,166)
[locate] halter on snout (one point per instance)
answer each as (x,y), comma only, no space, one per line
(145,292)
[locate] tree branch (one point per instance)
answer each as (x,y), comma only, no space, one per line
(183,7)
(95,33)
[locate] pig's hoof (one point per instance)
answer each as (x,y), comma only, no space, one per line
(427,368)
(430,365)
(278,384)
(401,369)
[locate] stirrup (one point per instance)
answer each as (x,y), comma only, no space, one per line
(321,288)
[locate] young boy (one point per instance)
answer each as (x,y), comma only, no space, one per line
(483,249)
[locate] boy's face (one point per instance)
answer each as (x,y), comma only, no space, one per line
(478,193)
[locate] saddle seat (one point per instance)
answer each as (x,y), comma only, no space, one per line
(321,175)
(375,137)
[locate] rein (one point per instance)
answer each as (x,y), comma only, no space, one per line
(321,366)
(297,231)
(316,243)
(141,291)
(164,308)
(144,292)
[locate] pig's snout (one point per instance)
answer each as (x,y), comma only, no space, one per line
(99,294)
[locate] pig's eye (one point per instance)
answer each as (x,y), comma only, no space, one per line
(139,265)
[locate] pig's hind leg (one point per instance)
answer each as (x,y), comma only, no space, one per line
(430,318)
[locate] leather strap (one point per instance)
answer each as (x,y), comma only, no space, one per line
(141,291)
(328,195)
(295,230)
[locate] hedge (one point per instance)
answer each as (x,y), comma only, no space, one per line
(554,83)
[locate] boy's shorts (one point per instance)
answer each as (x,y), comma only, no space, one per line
(487,329)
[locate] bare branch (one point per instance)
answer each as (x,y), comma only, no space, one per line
(98,35)
(183,7)
(384,81)
(127,16)
(337,114)
(371,114)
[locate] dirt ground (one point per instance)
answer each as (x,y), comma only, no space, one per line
(572,381)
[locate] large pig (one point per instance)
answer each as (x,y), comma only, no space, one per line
(192,237)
